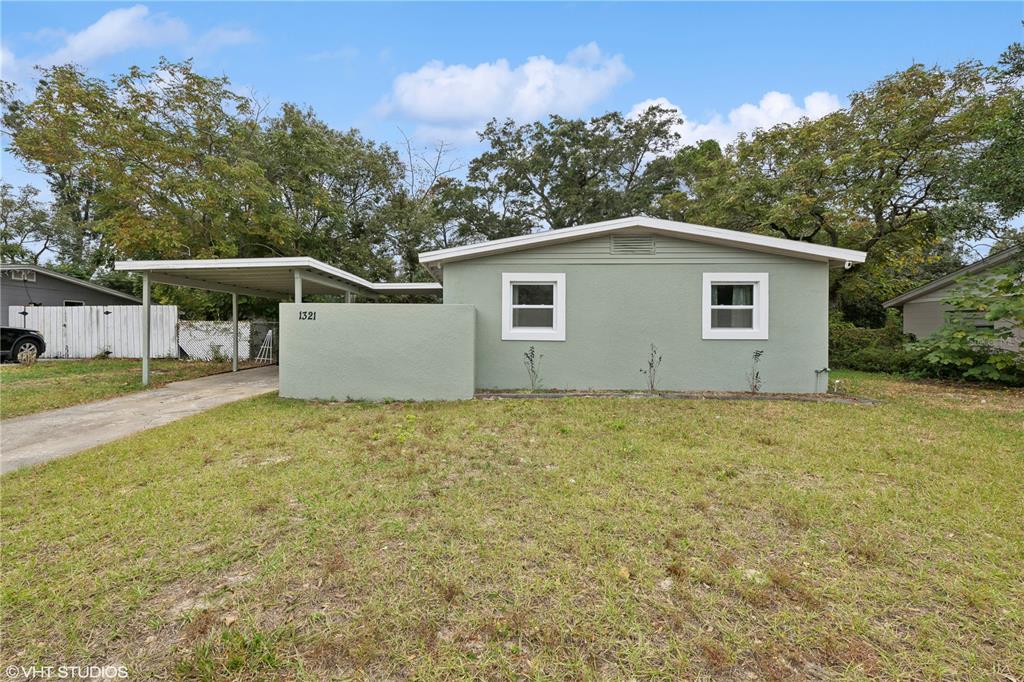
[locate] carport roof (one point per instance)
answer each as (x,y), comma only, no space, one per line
(267,277)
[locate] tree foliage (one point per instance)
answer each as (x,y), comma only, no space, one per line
(26,229)
(566,172)
(898,173)
(168,163)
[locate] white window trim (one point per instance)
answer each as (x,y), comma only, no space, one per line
(760,317)
(508,332)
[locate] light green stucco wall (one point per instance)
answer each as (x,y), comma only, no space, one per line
(617,306)
(365,351)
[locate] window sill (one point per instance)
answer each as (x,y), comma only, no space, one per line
(532,335)
(734,334)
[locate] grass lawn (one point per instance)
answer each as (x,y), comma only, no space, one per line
(542,539)
(50,384)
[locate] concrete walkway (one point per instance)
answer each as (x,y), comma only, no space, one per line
(40,437)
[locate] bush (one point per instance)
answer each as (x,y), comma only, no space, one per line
(880,349)
(961,351)
(883,359)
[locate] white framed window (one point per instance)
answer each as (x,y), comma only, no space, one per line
(735,305)
(532,306)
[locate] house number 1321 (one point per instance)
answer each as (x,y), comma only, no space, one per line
(307,314)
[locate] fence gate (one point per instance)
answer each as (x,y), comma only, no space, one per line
(88,331)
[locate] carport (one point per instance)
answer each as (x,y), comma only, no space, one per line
(281,279)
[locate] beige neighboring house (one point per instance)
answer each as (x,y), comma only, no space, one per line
(923,309)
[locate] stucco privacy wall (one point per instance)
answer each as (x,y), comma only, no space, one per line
(616,306)
(365,351)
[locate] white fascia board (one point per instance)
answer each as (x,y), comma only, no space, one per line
(410,286)
(668,227)
(295,262)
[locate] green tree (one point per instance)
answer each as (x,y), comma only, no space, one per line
(998,172)
(333,187)
(566,172)
(57,134)
(178,175)
(894,174)
(26,230)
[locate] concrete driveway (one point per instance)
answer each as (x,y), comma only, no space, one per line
(36,438)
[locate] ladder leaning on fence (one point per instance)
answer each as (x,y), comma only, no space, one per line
(266,354)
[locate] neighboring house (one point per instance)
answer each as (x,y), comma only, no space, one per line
(32,285)
(923,309)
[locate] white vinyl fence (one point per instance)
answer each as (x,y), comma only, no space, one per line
(206,340)
(88,331)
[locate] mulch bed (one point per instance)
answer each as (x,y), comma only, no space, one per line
(681,395)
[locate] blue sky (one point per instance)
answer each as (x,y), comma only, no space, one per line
(440,70)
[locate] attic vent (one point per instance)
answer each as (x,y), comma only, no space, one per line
(632,244)
(26,275)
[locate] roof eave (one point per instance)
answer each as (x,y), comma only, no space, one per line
(680,230)
(74,280)
(940,282)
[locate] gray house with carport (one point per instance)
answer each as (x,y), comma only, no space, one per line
(34,285)
(590,299)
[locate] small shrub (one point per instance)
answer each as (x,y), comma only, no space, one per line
(653,363)
(847,344)
(883,359)
(884,349)
(531,360)
(754,378)
(960,351)
(217,353)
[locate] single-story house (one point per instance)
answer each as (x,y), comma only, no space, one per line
(33,285)
(590,301)
(923,308)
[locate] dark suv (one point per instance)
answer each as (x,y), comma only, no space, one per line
(14,341)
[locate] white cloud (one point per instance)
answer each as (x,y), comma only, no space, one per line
(457,96)
(774,108)
(9,66)
(220,37)
(117,31)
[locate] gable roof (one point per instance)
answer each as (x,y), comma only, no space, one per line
(68,278)
(989,261)
(703,233)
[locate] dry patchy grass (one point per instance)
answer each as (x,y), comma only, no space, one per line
(555,539)
(51,384)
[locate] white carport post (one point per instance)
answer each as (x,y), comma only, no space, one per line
(145,328)
(298,285)
(234,331)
